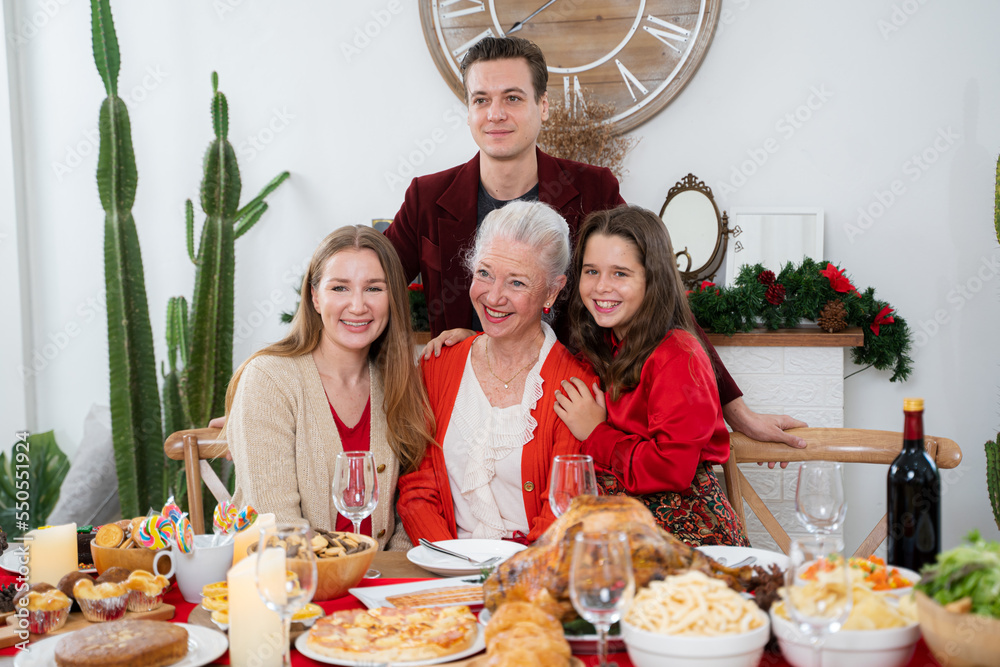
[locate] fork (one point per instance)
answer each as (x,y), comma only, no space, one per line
(433,547)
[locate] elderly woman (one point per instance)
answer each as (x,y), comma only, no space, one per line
(492,394)
(343,379)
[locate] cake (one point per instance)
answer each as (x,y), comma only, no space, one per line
(101,602)
(145,590)
(124,644)
(84,557)
(47,611)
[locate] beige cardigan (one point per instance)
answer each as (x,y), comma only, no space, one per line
(284,444)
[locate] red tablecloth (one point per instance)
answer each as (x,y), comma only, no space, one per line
(921,658)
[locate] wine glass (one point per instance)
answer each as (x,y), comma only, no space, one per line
(819,496)
(286,572)
(817,591)
(601,585)
(355,489)
(572,476)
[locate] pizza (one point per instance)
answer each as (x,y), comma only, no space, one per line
(387,634)
(438,597)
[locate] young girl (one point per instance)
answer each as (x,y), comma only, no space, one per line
(657,427)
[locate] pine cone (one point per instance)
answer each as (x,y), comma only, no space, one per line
(833,316)
(775,294)
(766,277)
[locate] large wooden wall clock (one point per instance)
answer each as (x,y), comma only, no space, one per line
(634,54)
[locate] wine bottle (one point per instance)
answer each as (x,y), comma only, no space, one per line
(914,496)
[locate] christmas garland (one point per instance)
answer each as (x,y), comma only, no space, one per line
(813,291)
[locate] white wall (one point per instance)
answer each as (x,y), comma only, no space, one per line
(342,125)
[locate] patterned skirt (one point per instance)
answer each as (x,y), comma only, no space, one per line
(700,515)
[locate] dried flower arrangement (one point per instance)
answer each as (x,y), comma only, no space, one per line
(580,134)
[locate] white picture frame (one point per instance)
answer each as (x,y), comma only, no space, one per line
(772,236)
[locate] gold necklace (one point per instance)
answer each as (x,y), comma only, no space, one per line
(490,366)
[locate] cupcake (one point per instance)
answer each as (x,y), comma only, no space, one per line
(145,591)
(101,602)
(47,611)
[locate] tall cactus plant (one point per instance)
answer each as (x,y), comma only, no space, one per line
(135,404)
(207,353)
(993,475)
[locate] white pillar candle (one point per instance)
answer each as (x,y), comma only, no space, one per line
(51,553)
(251,535)
(254,630)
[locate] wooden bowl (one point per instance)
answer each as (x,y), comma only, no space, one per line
(958,640)
(131,559)
(334,576)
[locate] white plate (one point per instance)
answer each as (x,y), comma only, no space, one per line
(439,563)
(476,647)
(204,646)
(736,554)
(10,560)
(375,596)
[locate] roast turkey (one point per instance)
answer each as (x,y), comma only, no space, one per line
(540,573)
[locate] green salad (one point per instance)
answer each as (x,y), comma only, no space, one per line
(968,571)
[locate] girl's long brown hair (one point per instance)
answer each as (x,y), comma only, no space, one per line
(407,410)
(664,306)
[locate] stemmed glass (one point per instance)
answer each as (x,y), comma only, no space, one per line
(817,589)
(819,496)
(601,584)
(572,476)
(355,489)
(286,572)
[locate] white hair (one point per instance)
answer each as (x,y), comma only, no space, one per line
(537,225)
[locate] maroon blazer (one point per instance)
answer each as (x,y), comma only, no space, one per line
(436,225)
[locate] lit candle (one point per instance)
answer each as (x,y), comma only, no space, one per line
(251,535)
(51,553)
(254,630)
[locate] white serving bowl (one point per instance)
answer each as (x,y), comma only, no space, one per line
(892,647)
(651,649)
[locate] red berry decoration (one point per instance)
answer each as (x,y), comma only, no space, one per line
(775,293)
(766,277)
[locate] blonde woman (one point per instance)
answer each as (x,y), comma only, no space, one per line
(343,379)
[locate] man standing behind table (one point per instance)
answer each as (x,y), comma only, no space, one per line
(505,88)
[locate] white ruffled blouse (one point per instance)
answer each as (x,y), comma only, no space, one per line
(482,452)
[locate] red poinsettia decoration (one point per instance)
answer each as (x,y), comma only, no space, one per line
(884,317)
(775,294)
(766,277)
(838,281)
(705,284)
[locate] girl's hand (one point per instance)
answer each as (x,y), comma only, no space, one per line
(579,410)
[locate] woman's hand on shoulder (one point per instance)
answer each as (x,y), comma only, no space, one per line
(580,410)
(443,340)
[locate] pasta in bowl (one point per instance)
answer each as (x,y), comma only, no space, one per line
(694,620)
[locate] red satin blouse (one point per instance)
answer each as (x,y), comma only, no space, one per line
(656,435)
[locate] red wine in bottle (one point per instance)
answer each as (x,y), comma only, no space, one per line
(914,496)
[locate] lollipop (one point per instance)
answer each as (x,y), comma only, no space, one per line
(224,517)
(154,532)
(171,510)
(185,534)
(245,518)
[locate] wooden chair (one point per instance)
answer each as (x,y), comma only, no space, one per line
(823,444)
(195,447)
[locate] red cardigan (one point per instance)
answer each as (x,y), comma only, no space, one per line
(657,434)
(425,501)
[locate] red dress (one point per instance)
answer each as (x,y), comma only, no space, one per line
(661,439)
(355,439)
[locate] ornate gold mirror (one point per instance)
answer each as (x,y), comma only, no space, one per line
(697,231)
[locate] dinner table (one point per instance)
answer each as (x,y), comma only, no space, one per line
(397,569)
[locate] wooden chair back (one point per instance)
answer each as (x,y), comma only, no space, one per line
(196,447)
(846,445)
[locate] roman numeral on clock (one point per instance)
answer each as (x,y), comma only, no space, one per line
(630,79)
(477,6)
(574,91)
(460,52)
(673,33)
